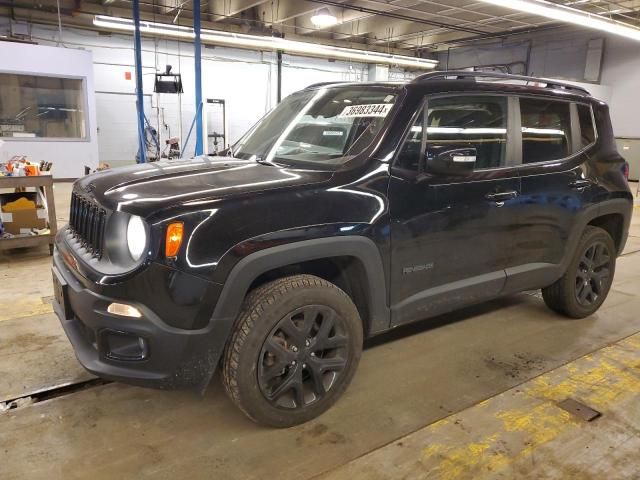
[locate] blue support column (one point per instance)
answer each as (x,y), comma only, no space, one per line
(137,45)
(198,62)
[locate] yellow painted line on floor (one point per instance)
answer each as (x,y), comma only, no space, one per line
(21,308)
(508,429)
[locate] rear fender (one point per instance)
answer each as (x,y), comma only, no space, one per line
(621,206)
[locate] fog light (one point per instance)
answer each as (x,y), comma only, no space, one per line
(123,346)
(124,310)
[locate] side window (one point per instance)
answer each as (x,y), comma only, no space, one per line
(478,122)
(409,155)
(587,131)
(546,129)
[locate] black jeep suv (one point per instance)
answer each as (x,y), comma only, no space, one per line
(348,210)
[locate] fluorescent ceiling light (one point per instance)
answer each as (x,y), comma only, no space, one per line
(570,15)
(256,42)
(324,18)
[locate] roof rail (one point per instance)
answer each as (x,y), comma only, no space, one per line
(322,84)
(462,74)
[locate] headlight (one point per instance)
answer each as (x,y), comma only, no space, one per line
(136,237)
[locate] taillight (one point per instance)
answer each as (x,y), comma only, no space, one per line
(625,171)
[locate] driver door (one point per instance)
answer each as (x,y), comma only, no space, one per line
(450,232)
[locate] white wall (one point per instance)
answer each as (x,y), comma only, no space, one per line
(68,157)
(562,53)
(621,71)
(246,80)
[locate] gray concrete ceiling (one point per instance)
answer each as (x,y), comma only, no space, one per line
(407,26)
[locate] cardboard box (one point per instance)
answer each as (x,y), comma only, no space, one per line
(20,222)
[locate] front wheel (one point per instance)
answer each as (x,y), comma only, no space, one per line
(586,283)
(294,350)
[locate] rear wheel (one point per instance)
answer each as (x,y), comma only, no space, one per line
(586,283)
(294,350)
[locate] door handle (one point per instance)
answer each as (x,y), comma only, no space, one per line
(501,196)
(580,183)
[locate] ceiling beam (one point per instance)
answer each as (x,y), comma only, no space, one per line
(288,10)
(44,13)
(229,8)
(381,23)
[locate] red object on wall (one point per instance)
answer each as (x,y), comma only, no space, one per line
(127,75)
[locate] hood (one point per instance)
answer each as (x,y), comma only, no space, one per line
(148,188)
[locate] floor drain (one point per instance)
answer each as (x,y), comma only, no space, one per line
(40,396)
(578,409)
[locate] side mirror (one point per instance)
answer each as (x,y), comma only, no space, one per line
(451,159)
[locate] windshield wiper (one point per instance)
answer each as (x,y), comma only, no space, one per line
(262,161)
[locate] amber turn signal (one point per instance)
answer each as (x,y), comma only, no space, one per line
(174,239)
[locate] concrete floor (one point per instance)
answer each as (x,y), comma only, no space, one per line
(468,395)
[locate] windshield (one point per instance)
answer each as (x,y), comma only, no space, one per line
(327,125)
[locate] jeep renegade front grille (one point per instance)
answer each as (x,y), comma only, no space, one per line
(87,221)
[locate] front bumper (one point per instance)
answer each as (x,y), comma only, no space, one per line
(170,357)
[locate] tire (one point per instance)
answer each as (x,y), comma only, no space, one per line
(295,338)
(587,281)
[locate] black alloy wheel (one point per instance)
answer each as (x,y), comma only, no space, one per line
(293,351)
(303,356)
(588,278)
(593,274)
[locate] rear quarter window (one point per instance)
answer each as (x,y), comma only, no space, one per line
(587,128)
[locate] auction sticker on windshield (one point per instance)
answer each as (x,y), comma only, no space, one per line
(367,110)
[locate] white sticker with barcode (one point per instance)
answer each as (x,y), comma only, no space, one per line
(367,110)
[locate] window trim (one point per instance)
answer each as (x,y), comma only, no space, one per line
(414,116)
(514,129)
(574,128)
(85,101)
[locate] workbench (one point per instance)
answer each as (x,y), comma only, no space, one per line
(45,183)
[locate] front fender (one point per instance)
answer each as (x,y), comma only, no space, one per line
(253,265)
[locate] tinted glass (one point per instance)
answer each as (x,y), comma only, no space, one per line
(470,122)
(409,155)
(546,128)
(587,132)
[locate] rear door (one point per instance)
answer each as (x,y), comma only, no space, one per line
(556,187)
(450,235)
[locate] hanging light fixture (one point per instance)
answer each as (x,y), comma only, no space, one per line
(567,14)
(323,18)
(256,42)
